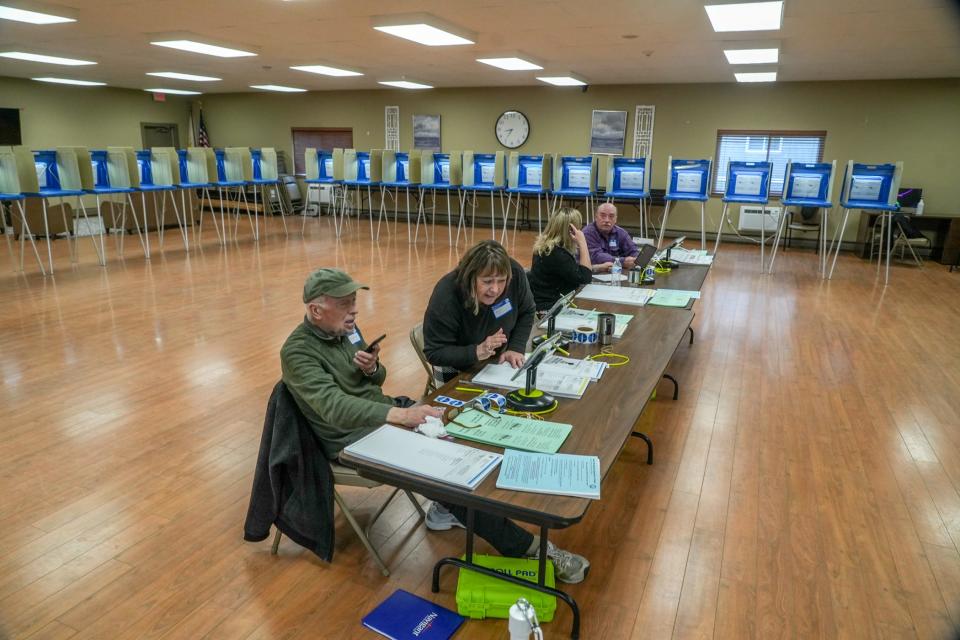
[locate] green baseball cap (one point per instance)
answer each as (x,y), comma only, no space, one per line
(329,282)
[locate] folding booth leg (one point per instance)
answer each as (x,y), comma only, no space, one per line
(71,239)
(776,239)
(449,221)
(407,194)
(99,248)
(703,230)
(144,237)
(838,240)
(369,210)
(886,279)
(723,217)
(283,211)
(46,231)
(25,232)
(663,223)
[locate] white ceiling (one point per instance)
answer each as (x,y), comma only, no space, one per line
(820,40)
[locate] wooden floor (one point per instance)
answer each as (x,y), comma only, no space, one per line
(807,482)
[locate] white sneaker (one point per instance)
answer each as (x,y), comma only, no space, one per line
(440,519)
(568,567)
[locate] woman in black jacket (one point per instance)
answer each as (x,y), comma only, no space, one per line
(481,309)
(561,259)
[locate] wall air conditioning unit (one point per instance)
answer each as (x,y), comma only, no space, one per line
(751,218)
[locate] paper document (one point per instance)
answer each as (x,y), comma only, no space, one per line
(619,295)
(405,165)
(691,256)
(689,181)
(578,179)
(865,188)
(806,186)
(631,180)
(556,384)
(440,460)
(592,369)
(669,298)
(486,173)
(534,176)
(571,319)
(559,474)
(748,184)
(608,277)
(328,167)
(510,432)
(680,292)
(445,172)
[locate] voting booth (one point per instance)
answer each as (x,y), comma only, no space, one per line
(483,173)
(746,183)
(399,170)
(627,180)
(687,180)
(528,176)
(439,172)
(870,187)
(156,177)
(18,177)
(807,184)
(575,177)
(194,164)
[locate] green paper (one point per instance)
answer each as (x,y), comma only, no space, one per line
(510,432)
(665,298)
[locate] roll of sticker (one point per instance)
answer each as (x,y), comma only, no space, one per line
(585,335)
(493,402)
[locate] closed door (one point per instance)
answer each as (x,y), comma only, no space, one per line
(318,138)
(159,134)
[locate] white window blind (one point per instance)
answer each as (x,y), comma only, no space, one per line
(775,146)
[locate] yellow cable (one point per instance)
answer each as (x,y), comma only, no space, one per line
(607,353)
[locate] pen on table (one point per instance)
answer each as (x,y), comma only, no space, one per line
(470,389)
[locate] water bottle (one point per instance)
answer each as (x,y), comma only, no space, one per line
(615,272)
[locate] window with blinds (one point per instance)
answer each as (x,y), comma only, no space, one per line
(775,146)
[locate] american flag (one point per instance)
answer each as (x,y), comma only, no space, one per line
(202,138)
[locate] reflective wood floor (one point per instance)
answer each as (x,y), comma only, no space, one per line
(807,482)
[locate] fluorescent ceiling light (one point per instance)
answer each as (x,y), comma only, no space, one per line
(746,16)
(79,83)
(562,81)
(424,34)
(173,75)
(405,84)
(510,64)
(752,56)
(33,17)
(277,87)
(324,70)
(175,92)
(35,57)
(764,76)
(199,47)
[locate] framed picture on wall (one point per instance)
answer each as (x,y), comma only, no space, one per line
(608,132)
(426,132)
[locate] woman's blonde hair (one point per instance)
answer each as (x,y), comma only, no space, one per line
(557,233)
(483,259)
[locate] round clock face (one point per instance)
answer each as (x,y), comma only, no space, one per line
(513,128)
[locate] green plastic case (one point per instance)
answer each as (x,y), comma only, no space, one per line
(480,596)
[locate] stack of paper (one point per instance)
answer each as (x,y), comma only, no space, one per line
(592,369)
(438,460)
(608,277)
(671,298)
(549,381)
(559,474)
(619,295)
(691,256)
(509,432)
(571,319)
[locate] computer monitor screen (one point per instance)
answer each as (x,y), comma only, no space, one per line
(10,127)
(909,198)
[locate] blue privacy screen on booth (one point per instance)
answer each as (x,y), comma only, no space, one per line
(576,176)
(748,182)
(631,178)
(808,184)
(871,186)
(688,179)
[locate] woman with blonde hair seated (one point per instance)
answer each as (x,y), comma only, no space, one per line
(561,259)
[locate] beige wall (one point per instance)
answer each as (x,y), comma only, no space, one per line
(94,117)
(914,121)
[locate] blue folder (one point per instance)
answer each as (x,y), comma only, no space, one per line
(404,616)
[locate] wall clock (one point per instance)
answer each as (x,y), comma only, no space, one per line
(512,129)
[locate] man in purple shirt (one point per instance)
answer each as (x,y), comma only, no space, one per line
(607,241)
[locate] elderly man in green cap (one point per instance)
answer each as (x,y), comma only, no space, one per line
(337,384)
(334,381)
